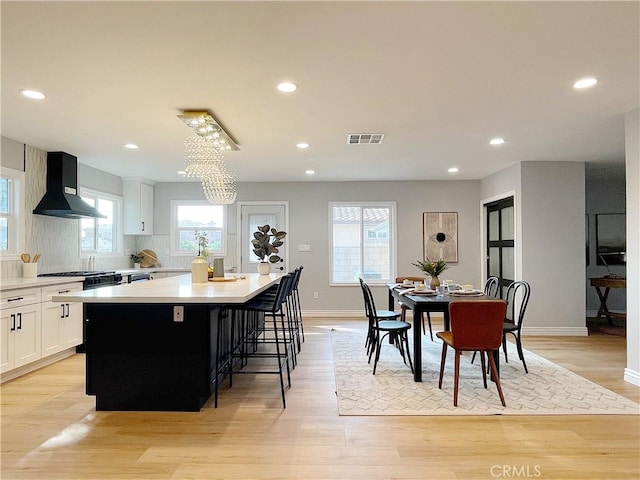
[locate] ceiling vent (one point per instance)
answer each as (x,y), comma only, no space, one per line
(365,138)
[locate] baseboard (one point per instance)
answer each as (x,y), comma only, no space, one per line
(556,331)
(631,376)
(30,367)
(334,313)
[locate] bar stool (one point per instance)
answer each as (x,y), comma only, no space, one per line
(241,325)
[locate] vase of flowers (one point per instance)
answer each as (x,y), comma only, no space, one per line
(433,269)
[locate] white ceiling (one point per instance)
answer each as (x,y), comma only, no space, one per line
(439,79)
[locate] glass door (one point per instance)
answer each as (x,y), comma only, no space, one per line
(500,242)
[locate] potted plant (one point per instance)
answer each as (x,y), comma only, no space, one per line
(433,269)
(266,241)
(136,259)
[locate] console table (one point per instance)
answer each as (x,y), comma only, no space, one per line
(607,283)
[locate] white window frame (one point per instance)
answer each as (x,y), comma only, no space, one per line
(175,235)
(118,237)
(16,218)
(391,205)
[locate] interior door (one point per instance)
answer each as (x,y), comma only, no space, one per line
(501,259)
(253,215)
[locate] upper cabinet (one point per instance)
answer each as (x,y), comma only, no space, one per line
(138,207)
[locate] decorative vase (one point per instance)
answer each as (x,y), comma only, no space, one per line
(264,268)
(435,281)
(199,270)
(136,265)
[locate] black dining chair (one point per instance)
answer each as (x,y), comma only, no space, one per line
(492,287)
(383,324)
(517,298)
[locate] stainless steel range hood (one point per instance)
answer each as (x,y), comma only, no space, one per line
(61,198)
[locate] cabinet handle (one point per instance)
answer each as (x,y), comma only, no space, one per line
(67,314)
(63,291)
(62,310)
(143,226)
(15,299)
(19,321)
(13,322)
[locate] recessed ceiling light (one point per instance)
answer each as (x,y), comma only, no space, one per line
(496,141)
(33,94)
(586,82)
(182,172)
(302,145)
(131,146)
(310,172)
(287,87)
(453,170)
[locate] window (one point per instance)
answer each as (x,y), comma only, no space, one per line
(101,237)
(362,242)
(12,227)
(187,217)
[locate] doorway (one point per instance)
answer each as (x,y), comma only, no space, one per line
(251,215)
(500,248)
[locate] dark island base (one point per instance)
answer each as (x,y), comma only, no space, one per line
(139,359)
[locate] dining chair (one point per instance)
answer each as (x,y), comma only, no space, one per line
(404,308)
(383,324)
(517,298)
(491,287)
(476,325)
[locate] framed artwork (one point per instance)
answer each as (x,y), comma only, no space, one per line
(611,239)
(440,236)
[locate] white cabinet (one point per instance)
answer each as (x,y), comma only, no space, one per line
(138,207)
(20,328)
(61,322)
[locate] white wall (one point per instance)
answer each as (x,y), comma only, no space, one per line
(11,154)
(632,153)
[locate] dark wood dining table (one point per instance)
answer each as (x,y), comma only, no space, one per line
(420,304)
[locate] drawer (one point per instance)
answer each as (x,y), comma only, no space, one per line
(20,297)
(50,291)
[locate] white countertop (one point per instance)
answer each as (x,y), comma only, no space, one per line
(21,282)
(178,289)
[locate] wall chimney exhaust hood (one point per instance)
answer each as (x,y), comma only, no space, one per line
(61,198)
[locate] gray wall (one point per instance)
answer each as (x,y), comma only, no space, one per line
(553,225)
(309,224)
(603,196)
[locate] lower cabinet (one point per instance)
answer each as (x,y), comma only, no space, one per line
(32,327)
(61,322)
(21,333)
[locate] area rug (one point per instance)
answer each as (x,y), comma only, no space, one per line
(548,389)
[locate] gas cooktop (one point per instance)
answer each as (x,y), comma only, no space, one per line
(82,273)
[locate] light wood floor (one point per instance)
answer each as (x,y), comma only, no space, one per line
(50,429)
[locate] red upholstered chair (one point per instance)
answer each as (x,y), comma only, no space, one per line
(476,325)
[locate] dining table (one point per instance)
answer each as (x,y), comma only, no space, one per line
(421,303)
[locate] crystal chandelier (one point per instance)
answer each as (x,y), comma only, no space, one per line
(201,156)
(204,157)
(219,186)
(204,124)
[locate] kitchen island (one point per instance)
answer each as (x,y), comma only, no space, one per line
(153,345)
